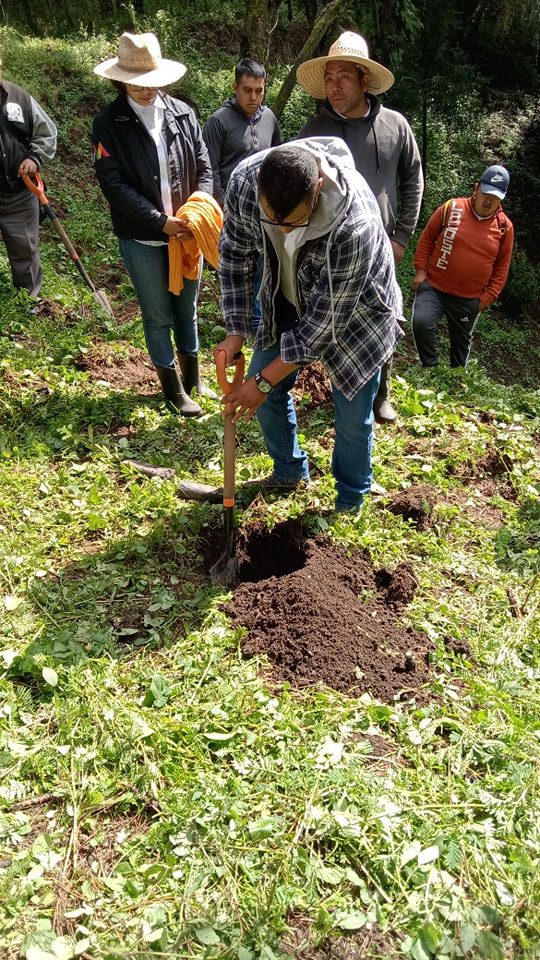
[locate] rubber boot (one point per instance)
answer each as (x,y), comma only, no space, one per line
(174,393)
(189,368)
(383,410)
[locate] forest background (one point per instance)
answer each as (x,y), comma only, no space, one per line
(161,795)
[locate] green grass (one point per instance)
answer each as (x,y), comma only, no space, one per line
(159,795)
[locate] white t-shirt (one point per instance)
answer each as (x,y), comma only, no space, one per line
(153,119)
(291,244)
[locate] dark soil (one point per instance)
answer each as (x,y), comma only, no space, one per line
(495,464)
(493,471)
(366,943)
(324,615)
(414,504)
(313,385)
(130,368)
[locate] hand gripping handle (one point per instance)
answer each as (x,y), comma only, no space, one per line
(35,184)
(225,384)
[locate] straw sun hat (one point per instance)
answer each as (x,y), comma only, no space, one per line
(139,61)
(353,48)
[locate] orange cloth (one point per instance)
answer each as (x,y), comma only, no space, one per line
(204,217)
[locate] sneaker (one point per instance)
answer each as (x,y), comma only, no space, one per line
(274,483)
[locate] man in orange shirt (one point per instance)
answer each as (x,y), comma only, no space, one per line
(461,262)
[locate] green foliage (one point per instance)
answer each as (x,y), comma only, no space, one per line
(523,286)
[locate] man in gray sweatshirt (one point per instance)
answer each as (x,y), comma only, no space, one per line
(241,127)
(380,140)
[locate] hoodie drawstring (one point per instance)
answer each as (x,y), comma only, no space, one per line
(372,125)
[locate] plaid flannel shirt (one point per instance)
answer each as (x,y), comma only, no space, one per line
(348,296)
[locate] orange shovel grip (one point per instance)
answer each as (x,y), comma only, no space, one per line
(225,384)
(35,184)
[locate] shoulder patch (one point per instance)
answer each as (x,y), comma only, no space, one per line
(99,152)
(14,112)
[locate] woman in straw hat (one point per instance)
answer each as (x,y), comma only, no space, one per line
(149,157)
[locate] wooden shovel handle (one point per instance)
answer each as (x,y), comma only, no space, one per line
(229,432)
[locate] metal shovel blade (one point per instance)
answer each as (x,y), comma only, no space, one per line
(224,573)
(102,301)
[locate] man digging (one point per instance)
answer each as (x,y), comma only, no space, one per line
(328,293)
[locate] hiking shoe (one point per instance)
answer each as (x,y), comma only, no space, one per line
(35,307)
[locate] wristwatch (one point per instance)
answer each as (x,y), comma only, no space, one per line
(263,385)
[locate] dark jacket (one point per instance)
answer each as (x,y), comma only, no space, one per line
(386,154)
(127,166)
(25,131)
(231,136)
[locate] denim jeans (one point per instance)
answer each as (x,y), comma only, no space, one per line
(351,462)
(148,268)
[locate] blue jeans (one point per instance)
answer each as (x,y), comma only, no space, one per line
(351,461)
(148,268)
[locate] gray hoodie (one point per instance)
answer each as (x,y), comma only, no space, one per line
(386,154)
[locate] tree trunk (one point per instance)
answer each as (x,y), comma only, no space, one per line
(260,18)
(320,27)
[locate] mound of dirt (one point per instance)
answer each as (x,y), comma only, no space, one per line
(123,369)
(325,615)
(415,504)
(493,471)
(314,386)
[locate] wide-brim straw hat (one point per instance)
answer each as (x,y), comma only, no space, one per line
(351,47)
(139,61)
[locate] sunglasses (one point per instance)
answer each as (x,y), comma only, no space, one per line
(289,223)
(133,86)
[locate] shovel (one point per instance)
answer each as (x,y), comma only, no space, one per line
(35,184)
(224,573)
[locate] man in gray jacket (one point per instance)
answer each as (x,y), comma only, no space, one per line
(329,293)
(241,127)
(27,137)
(380,140)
